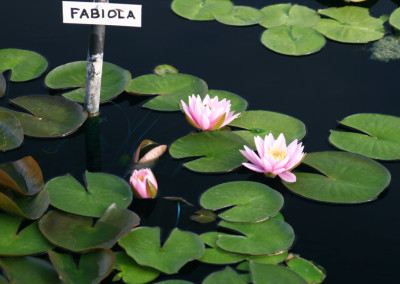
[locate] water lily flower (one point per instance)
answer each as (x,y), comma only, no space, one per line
(208,114)
(143,183)
(274,157)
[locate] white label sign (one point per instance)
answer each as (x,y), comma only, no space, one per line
(110,14)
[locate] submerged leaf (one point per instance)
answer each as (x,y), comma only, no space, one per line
(3,85)
(11,132)
(165,69)
(203,216)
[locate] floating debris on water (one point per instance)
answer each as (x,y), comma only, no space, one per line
(386,49)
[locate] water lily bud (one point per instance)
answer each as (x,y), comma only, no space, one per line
(143,183)
(208,114)
(274,157)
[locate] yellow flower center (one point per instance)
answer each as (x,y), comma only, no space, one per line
(141,178)
(277,153)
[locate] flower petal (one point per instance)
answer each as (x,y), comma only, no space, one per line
(288,176)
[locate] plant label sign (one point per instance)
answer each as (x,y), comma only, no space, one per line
(108,14)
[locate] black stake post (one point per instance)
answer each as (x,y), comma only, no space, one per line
(94,68)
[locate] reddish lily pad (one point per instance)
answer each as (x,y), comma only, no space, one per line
(148,153)
(93,266)
(30,207)
(73,75)
(11,132)
(67,194)
(24,64)
(27,241)
(23,176)
(50,116)
(247,201)
(77,233)
(29,269)
(143,245)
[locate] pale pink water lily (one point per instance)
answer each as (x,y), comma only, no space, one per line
(208,114)
(143,183)
(274,157)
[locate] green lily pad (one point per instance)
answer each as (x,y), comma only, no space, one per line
(28,207)
(380,141)
(29,269)
(350,24)
(216,255)
(3,280)
(266,237)
(261,123)
(77,233)
(67,194)
(73,75)
(131,272)
(290,15)
(24,64)
(143,245)
(200,10)
(306,269)
(270,258)
(174,282)
(344,178)
(238,104)
(93,266)
(11,132)
(23,176)
(219,151)
(50,116)
(394,19)
(293,40)
(165,69)
(251,201)
(227,275)
(240,16)
(171,89)
(19,243)
(271,273)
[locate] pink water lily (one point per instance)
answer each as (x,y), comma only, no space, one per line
(208,114)
(143,183)
(274,157)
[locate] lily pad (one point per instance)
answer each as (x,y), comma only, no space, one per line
(308,270)
(290,15)
(24,64)
(23,176)
(174,282)
(131,272)
(50,116)
(240,16)
(73,75)
(270,258)
(147,154)
(200,10)
(227,275)
(203,216)
(11,132)
(350,24)
(261,123)
(93,266)
(216,255)
(380,141)
(344,178)
(15,242)
(250,201)
(143,245)
(219,151)
(28,207)
(271,273)
(266,237)
(3,87)
(394,19)
(29,270)
(77,233)
(165,69)
(293,40)
(238,104)
(171,89)
(3,280)
(67,194)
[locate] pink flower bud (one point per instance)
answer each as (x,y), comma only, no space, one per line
(143,183)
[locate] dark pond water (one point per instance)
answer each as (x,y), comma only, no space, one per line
(356,244)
